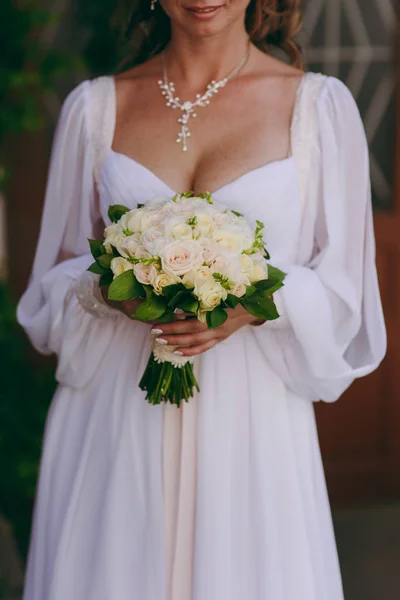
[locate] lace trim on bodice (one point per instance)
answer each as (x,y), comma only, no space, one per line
(305,128)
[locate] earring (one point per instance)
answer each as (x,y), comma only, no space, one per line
(153,4)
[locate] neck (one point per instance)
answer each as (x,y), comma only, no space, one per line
(196,62)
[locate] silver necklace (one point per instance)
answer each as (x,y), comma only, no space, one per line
(188,108)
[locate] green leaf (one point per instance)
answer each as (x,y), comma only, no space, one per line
(250,290)
(125,287)
(116,211)
(105,260)
(237,213)
(96,248)
(216,317)
(167,317)
(106,279)
(170,291)
(261,306)
(189,304)
(232,301)
(152,308)
(275,273)
(97,269)
(270,285)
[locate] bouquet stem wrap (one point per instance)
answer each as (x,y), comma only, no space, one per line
(168,377)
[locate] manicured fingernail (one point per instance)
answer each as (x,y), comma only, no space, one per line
(161,341)
(178,311)
(178,353)
(156,331)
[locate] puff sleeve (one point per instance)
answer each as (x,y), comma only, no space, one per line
(332,331)
(49,310)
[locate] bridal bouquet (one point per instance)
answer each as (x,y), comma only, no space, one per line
(186,253)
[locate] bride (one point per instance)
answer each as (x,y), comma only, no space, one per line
(224,498)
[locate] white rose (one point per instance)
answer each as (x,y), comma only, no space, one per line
(222,219)
(254,271)
(210,294)
(157,202)
(201,275)
(233,240)
(188,278)
(202,316)
(205,223)
(127,247)
(177,229)
(209,248)
(119,265)
(145,274)
(239,290)
(136,220)
(230,267)
(179,257)
(260,272)
(142,252)
(113,237)
(153,240)
(162,280)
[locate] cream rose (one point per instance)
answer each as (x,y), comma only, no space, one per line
(161,281)
(177,229)
(260,272)
(179,257)
(145,274)
(153,240)
(136,220)
(210,294)
(233,240)
(119,265)
(142,252)
(127,247)
(201,275)
(209,248)
(205,223)
(239,290)
(114,236)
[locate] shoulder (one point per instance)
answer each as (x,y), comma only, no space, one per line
(334,97)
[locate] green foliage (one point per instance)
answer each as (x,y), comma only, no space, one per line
(101,52)
(25,394)
(125,287)
(116,211)
(216,317)
(28,68)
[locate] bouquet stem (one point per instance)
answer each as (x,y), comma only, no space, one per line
(165,382)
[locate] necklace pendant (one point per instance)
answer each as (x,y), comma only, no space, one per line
(202,100)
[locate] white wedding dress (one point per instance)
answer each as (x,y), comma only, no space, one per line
(223,499)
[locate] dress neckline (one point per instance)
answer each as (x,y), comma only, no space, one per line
(288,159)
(276,163)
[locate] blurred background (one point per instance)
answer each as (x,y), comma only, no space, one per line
(48,47)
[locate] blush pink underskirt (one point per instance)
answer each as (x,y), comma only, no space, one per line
(180,476)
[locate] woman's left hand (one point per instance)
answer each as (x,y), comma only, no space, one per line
(191,337)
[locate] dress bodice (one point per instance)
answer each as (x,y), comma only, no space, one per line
(269,193)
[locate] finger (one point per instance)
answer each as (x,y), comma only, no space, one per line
(190,339)
(190,325)
(181,315)
(195,350)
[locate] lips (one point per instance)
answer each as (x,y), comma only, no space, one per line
(204,12)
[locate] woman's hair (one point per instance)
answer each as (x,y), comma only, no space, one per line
(146,32)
